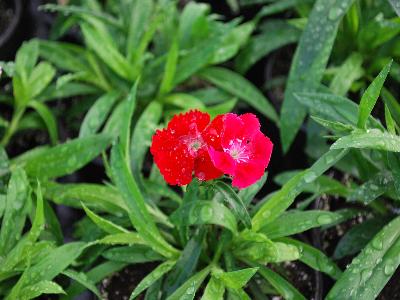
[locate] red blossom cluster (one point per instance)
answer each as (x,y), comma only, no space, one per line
(230,144)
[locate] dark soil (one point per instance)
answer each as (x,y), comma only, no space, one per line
(120,285)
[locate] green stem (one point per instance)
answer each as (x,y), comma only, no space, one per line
(13,126)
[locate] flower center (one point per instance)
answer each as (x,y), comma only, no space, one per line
(194,143)
(238,149)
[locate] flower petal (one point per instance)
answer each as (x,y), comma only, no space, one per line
(212,134)
(172,158)
(204,168)
(251,125)
(192,122)
(246,174)
(222,161)
(261,148)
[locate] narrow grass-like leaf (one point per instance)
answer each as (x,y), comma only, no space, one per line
(82,279)
(97,114)
(293,222)
(204,212)
(141,137)
(315,258)
(125,238)
(107,51)
(274,34)
(40,78)
(282,199)
(392,104)
(132,254)
(238,86)
(358,237)
(152,277)
(95,196)
(42,287)
(170,68)
(396,6)
(371,95)
(15,211)
(214,290)
(282,286)
(104,224)
(309,62)
(188,290)
(372,268)
(233,199)
(186,264)
(48,118)
(65,158)
(125,135)
(346,74)
(248,194)
(133,198)
(370,139)
(236,279)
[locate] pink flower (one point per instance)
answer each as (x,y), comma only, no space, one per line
(238,148)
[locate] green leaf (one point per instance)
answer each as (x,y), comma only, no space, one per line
(199,57)
(392,104)
(48,118)
(152,277)
(104,224)
(315,258)
(185,101)
(248,194)
(132,254)
(15,211)
(186,264)
(40,78)
(141,137)
(95,275)
(274,35)
(358,237)
(371,95)
(95,196)
(127,116)
(82,279)
(322,185)
(214,290)
(107,51)
(370,139)
(49,266)
(138,22)
(396,6)
(309,62)
(125,238)
(283,287)
(293,222)
(372,268)
(188,290)
(133,198)
(282,199)
(237,205)
(239,86)
(65,158)
(204,212)
(97,114)
(254,246)
(26,58)
(232,42)
(236,279)
(42,287)
(347,73)
(167,82)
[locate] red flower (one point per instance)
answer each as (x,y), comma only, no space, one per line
(238,148)
(180,150)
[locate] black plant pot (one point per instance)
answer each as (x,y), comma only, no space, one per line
(10,19)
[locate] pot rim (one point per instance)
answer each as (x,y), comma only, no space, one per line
(4,37)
